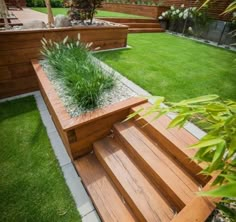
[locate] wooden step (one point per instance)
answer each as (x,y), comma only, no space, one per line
(143,25)
(105,196)
(127,20)
(175,141)
(145,30)
(146,202)
(171,178)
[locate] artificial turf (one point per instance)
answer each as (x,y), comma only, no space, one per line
(175,67)
(32,187)
(100,13)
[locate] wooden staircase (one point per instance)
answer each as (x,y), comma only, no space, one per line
(138,25)
(144,174)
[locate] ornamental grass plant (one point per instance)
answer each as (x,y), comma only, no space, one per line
(82,78)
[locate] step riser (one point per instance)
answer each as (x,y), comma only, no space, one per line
(170,147)
(120,20)
(123,192)
(143,25)
(152,175)
(145,30)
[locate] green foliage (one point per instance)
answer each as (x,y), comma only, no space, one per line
(83,79)
(41,3)
(84,9)
(218,147)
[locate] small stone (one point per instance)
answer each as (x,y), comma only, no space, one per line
(34,24)
(62,21)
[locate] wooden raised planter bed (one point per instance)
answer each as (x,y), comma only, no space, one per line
(143,10)
(17,48)
(78,133)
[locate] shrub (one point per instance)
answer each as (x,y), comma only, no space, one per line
(41,3)
(84,9)
(72,63)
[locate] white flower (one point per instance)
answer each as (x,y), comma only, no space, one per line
(160,17)
(177,11)
(185,15)
(182,6)
(180,14)
(194,8)
(163,14)
(190,29)
(172,7)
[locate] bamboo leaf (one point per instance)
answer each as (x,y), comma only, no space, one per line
(205,143)
(176,121)
(199,99)
(227,190)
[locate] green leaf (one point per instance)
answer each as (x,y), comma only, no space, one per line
(199,99)
(132,115)
(205,143)
(217,159)
(176,121)
(227,190)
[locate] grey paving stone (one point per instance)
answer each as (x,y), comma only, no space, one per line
(47,121)
(82,200)
(59,148)
(92,217)
(40,103)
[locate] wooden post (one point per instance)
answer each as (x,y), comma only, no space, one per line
(50,14)
(4,13)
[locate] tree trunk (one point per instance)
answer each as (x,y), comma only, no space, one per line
(50,14)
(4,13)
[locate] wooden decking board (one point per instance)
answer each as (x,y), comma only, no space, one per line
(147,203)
(165,173)
(173,141)
(104,195)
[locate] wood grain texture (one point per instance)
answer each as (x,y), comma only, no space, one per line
(161,168)
(143,10)
(147,203)
(199,208)
(104,194)
(174,141)
(215,9)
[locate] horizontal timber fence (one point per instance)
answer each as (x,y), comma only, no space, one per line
(17,48)
(216,8)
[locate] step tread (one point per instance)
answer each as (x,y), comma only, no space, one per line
(146,202)
(105,196)
(174,140)
(157,161)
(180,137)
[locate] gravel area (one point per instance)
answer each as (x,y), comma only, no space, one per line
(118,93)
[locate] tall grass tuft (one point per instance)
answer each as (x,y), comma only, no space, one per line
(83,79)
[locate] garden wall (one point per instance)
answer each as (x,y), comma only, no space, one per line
(143,10)
(215,9)
(17,48)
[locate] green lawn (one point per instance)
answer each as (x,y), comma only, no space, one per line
(174,67)
(32,187)
(100,13)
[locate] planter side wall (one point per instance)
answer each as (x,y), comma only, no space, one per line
(17,48)
(79,133)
